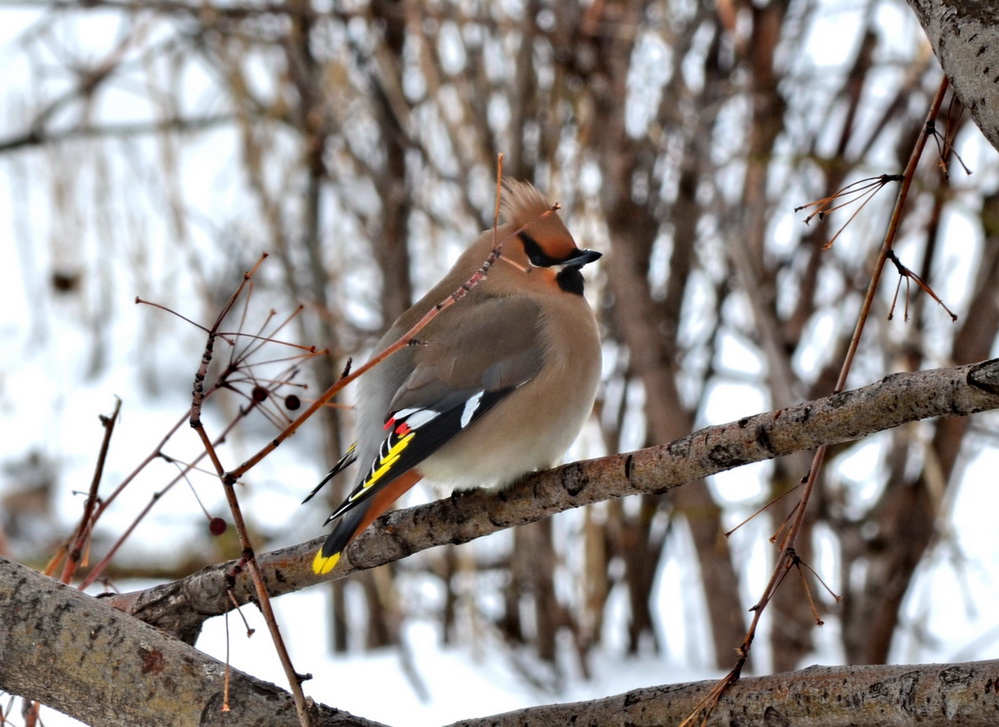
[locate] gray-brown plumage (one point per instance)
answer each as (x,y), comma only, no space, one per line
(500,384)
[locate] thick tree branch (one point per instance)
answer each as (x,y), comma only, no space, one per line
(57,644)
(819,696)
(965,37)
(75,653)
(183,605)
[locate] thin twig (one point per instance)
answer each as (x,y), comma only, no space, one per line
(85,527)
(905,274)
(96,571)
(862,189)
(786,561)
(228,487)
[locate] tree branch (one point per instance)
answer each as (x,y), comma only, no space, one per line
(180,607)
(50,631)
(77,654)
(819,696)
(964,35)
(57,644)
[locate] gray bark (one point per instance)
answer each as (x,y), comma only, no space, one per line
(80,655)
(955,695)
(965,37)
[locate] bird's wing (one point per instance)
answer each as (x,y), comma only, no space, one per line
(461,369)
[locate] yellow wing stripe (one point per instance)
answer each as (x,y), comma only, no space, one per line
(385,464)
(323,564)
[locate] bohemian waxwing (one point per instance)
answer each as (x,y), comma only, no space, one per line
(499,384)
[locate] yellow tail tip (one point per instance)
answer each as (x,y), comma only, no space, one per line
(323,564)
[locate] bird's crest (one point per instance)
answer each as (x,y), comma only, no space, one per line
(522,203)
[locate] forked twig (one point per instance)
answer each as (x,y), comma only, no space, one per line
(945,143)
(228,485)
(864,189)
(907,275)
(239,370)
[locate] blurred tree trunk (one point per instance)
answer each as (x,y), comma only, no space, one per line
(305,74)
(648,327)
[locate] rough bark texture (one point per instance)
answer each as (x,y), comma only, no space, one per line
(57,644)
(955,695)
(78,654)
(965,37)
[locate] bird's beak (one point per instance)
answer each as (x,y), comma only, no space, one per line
(582,257)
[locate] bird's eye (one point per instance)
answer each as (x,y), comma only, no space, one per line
(535,254)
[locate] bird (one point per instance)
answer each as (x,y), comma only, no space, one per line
(497,385)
